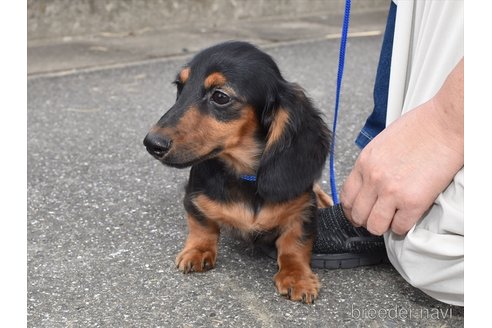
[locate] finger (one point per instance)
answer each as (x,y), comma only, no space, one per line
(363,204)
(403,221)
(381,216)
(349,192)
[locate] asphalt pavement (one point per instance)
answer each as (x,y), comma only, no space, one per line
(105,220)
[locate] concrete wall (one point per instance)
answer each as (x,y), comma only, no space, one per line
(58,18)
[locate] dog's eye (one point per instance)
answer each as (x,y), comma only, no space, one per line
(220,98)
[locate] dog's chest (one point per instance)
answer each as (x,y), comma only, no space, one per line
(233,202)
(243,215)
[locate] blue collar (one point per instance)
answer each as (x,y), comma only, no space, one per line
(251,178)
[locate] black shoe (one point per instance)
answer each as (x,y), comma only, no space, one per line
(340,245)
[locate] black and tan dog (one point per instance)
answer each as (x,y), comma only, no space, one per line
(256,147)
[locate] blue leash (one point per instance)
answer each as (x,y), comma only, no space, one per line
(341,64)
(250,178)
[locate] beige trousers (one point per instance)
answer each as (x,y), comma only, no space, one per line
(428,44)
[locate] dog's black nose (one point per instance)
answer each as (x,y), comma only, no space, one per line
(157,144)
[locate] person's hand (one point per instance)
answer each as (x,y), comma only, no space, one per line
(400,173)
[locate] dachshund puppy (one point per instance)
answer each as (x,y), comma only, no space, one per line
(256,147)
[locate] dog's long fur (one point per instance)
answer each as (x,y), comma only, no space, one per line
(236,115)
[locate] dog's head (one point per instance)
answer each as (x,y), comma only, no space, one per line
(232,103)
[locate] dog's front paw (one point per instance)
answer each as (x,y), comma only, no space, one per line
(298,285)
(197,260)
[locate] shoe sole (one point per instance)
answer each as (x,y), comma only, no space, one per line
(346,260)
(338,261)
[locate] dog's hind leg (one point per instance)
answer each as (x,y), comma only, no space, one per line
(322,198)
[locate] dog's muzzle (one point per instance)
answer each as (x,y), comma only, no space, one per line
(157,145)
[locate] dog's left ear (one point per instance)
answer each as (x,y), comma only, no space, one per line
(296,147)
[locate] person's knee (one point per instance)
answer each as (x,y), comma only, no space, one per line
(436,273)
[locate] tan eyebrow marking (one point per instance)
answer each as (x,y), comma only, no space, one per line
(215,80)
(184,75)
